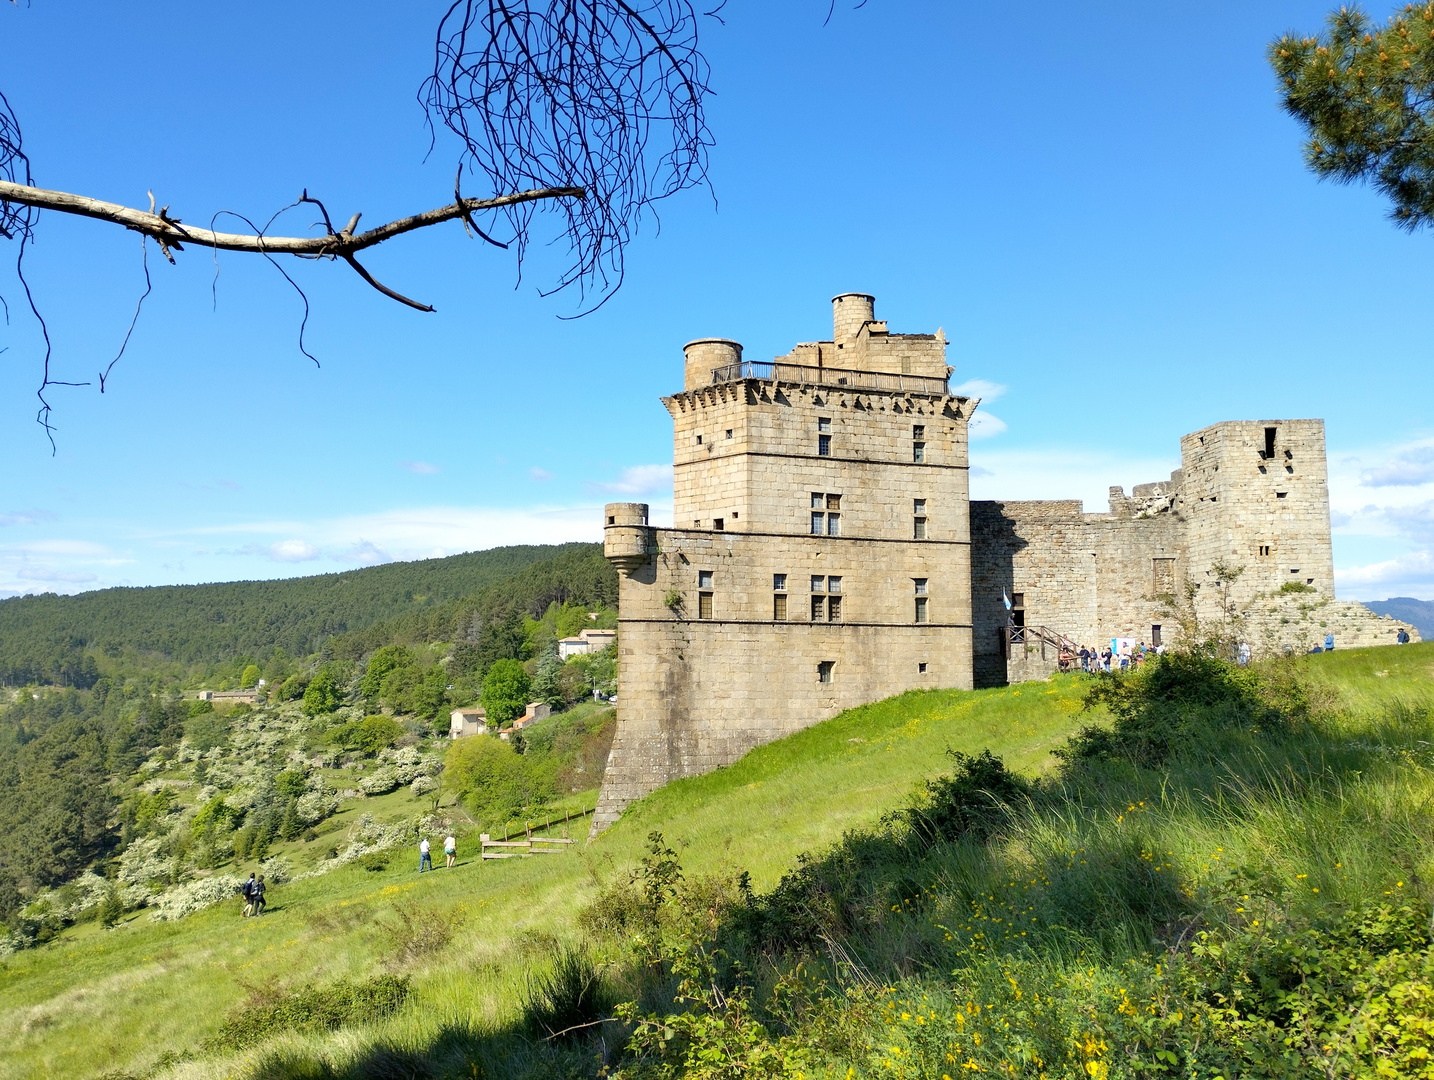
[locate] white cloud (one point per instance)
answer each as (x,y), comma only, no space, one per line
(984,425)
(639,480)
(25,517)
(290,551)
(1411,468)
(539,474)
(43,573)
(423,468)
(980,388)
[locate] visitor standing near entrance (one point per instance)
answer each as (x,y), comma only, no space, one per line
(425,861)
(450,849)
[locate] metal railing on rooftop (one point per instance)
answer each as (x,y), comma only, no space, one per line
(825,376)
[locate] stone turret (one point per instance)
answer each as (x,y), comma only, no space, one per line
(628,541)
(850,312)
(706,355)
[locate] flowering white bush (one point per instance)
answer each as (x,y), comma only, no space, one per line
(276,871)
(314,806)
(368,835)
(194,896)
(383,780)
(143,863)
(422,785)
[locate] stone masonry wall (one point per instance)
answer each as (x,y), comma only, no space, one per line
(697,693)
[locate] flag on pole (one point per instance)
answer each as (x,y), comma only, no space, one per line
(1006,599)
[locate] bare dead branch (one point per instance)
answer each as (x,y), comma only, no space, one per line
(172,233)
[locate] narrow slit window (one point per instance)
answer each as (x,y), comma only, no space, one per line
(918,529)
(834,609)
(1269,442)
(824,446)
(779,607)
(918,451)
(921,609)
(818,523)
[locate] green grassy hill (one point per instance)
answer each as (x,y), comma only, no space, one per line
(48,638)
(1132,920)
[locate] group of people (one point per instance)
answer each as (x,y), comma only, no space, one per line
(253,893)
(1107,659)
(450,852)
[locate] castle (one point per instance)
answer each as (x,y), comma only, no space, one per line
(825,552)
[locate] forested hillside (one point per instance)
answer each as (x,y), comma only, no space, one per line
(64,640)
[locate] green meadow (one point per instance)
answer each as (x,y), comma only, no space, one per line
(1121,919)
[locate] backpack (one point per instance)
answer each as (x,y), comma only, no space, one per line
(247,889)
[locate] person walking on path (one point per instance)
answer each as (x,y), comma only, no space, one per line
(450,849)
(247,892)
(258,895)
(425,861)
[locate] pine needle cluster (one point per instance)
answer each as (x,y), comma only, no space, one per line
(1365,95)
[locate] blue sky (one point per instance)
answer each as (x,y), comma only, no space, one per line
(1104,208)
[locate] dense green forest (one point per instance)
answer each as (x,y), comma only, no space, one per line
(99,679)
(72,640)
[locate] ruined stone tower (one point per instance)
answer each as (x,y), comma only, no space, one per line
(820,554)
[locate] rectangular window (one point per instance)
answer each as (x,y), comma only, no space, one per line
(920,584)
(817,524)
(824,423)
(833,584)
(779,607)
(819,501)
(779,582)
(833,524)
(818,582)
(1278,495)
(921,609)
(918,451)
(824,446)
(699,440)
(704,605)
(824,671)
(819,607)
(918,531)
(1155,636)
(918,431)
(1269,442)
(833,502)
(834,609)
(921,668)
(718,524)
(918,507)
(729,433)
(704,579)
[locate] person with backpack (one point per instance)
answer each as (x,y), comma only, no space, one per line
(258,895)
(247,892)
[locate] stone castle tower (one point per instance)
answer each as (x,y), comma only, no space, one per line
(820,554)
(825,552)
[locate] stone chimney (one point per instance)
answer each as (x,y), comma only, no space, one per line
(850,312)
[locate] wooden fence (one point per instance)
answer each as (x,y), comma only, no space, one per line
(530,845)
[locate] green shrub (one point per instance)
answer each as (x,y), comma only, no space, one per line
(1296,587)
(568,998)
(970,804)
(313,1008)
(374,861)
